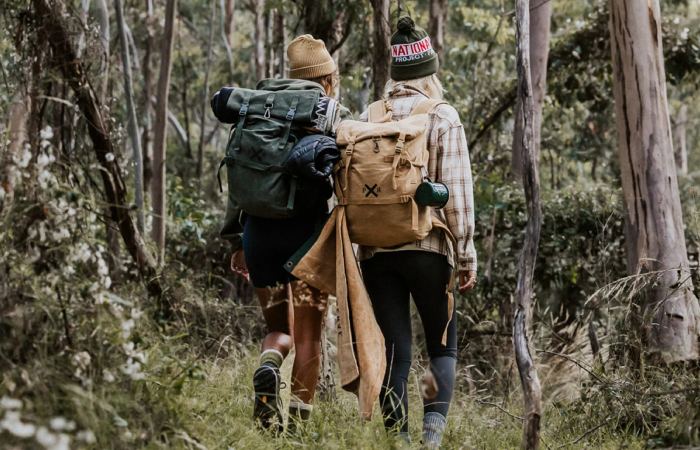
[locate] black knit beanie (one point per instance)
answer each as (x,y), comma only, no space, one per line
(412,54)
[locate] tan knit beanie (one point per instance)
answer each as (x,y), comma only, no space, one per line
(308,58)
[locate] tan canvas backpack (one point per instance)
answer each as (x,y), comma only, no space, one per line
(382,164)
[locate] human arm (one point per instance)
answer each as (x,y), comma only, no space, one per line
(454,170)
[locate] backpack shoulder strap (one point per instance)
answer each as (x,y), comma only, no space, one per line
(376,111)
(427,106)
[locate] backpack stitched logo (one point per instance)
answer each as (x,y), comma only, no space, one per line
(371,190)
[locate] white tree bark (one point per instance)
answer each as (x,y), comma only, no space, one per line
(131,110)
(438,16)
(680,137)
(205,95)
(540,20)
(654,220)
(532,391)
(259,38)
(102,10)
(160,131)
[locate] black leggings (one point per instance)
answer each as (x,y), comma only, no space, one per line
(391,279)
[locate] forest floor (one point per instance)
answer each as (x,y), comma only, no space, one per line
(216,412)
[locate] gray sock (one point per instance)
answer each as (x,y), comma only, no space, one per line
(434,425)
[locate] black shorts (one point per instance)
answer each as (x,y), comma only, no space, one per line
(269,243)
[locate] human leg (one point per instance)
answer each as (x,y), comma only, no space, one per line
(309,312)
(276,308)
(429,292)
(390,299)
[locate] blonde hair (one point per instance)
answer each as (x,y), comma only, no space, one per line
(430,86)
(329,82)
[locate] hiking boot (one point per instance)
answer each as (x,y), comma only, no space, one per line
(267,409)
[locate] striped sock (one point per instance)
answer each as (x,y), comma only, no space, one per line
(434,425)
(271,357)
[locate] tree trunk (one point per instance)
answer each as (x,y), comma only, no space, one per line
(280,43)
(438,17)
(205,95)
(160,132)
(229,24)
(228,27)
(84,12)
(680,140)
(17,136)
(330,20)
(131,110)
(147,109)
(103,17)
(670,320)
(259,38)
(56,36)
(532,392)
(381,39)
(540,19)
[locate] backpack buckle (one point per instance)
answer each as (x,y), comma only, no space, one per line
(269,104)
(376,144)
(244,110)
(291,113)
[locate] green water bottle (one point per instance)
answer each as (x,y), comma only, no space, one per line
(432,194)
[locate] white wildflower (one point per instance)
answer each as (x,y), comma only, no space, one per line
(10,403)
(14,425)
(108,376)
(126,327)
(684,34)
(86,436)
(68,270)
(46,179)
(109,157)
(136,313)
(132,369)
(61,424)
(102,268)
(46,133)
(44,160)
(52,441)
(60,234)
(25,158)
(83,252)
(82,360)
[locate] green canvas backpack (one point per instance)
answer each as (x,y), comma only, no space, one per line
(268,122)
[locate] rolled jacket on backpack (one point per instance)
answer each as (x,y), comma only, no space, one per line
(313,157)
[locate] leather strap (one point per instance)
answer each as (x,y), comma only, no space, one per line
(376,111)
(427,106)
(288,123)
(241,121)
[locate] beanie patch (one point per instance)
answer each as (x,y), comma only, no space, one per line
(412,51)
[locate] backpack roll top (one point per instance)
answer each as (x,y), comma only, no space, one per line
(267,123)
(382,164)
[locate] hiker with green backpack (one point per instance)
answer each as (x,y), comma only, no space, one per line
(405,183)
(278,162)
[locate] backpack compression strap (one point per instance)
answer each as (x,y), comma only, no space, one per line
(377,112)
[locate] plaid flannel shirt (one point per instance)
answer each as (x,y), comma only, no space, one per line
(448,164)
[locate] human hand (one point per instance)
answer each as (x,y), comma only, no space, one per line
(467,281)
(238,264)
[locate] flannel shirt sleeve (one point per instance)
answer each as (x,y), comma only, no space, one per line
(454,170)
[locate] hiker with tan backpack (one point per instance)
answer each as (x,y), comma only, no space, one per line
(398,168)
